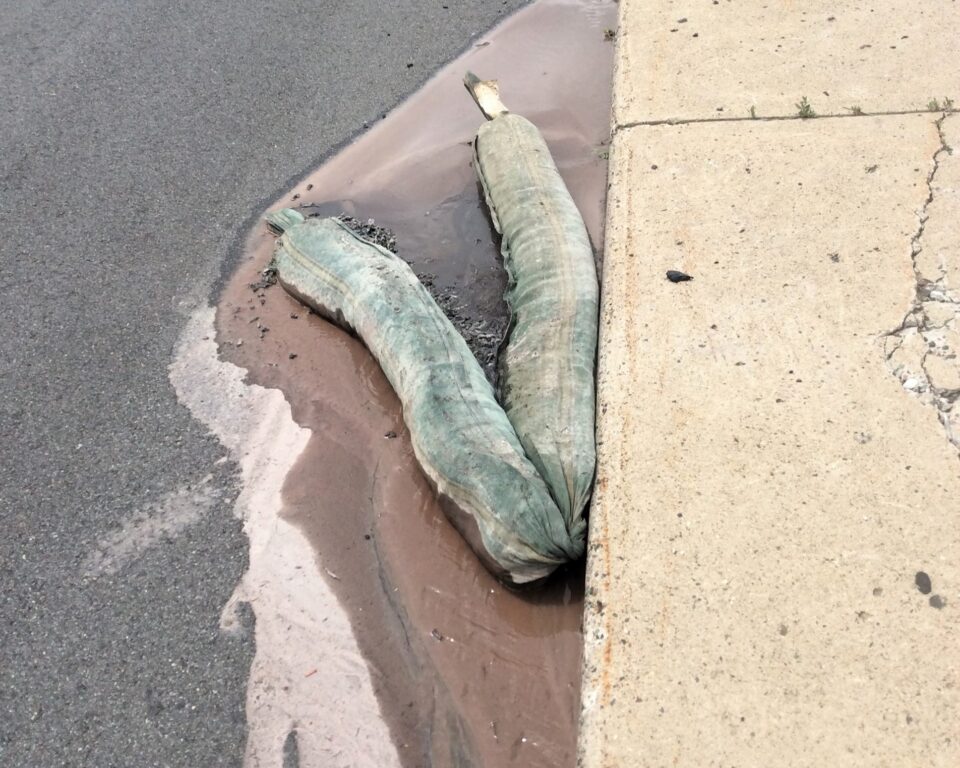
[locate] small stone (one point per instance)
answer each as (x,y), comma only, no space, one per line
(913,384)
(677,277)
(937,295)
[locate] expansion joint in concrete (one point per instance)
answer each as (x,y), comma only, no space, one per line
(922,351)
(772,118)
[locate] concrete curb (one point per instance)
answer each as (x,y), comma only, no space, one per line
(775,531)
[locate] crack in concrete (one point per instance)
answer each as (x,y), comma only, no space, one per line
(922,352)
(772,118)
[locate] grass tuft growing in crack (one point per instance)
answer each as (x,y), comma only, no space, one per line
(804,109)
(934,105)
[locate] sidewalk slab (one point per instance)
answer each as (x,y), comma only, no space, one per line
(772,496)
(681,60)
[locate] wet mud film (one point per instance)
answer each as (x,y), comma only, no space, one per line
(466,672)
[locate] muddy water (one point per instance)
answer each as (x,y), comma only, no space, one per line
(466,672)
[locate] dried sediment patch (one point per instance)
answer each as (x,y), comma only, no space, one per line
(308,671)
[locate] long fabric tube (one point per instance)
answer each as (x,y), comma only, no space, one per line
(547,383)
(462,438)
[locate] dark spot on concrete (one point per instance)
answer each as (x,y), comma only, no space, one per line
(291,751)
(677,277)
(877,591)
(835,257)
(922,580)
(937,602)
(783,629)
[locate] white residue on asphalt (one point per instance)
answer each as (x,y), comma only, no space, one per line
(308,674)
(151,525)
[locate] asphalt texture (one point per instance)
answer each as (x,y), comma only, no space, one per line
(139,141)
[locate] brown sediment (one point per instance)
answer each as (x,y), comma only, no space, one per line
(467,672)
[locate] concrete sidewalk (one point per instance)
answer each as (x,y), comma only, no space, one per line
(774,561)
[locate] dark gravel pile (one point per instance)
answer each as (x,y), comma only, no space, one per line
(483,335)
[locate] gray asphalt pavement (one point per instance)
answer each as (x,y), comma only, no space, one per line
(139,140)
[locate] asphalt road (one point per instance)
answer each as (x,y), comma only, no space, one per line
(138,141)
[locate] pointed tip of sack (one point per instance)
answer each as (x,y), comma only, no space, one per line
(280,221)
(487,95)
